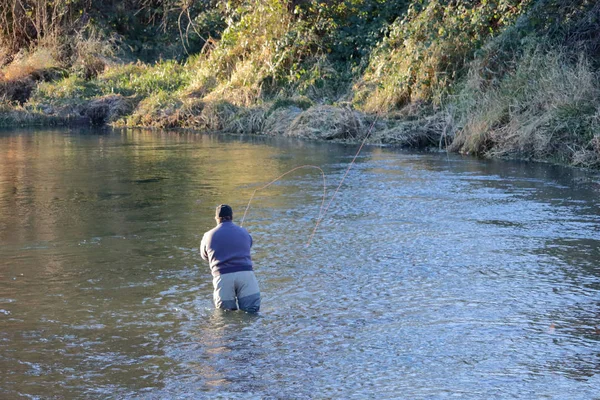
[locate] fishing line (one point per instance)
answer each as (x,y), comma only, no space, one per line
(342,181)
(321,211)
(281,176)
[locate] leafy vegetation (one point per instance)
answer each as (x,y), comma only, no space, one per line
(425,52)
(502,78)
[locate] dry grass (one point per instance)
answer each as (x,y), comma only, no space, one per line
(542,110)
(280,120)
(106,109)
(248,121)
(18,79)
(12,115)
(588,156)
(425,132)
(215,116)
(93,54)
(201,84)
(328,122)
(161,110)
(5,55)
(236,67)
(26,64)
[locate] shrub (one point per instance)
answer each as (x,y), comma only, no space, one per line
(425,51)
(266,52)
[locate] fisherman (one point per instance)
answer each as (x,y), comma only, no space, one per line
(227,249)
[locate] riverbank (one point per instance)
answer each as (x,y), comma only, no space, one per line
(512,79)
(286,119)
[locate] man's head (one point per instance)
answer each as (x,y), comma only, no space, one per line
(223,213)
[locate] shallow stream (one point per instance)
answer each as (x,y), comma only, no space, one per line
(431,275)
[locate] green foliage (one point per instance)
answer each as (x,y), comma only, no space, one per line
(425,51)
(158,29)
(349,29)
(569,23)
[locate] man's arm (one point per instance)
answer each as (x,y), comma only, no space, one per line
(203,252)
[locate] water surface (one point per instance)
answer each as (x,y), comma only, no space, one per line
(431,276)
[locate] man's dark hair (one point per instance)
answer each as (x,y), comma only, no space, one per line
(224,213)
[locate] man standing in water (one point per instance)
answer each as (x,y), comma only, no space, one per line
(227,249)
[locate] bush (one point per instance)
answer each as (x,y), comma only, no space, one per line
(267,52)
(425,52)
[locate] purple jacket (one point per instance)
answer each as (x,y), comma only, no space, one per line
(227,249)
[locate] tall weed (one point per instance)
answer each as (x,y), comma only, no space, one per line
(544,109)
(27,63)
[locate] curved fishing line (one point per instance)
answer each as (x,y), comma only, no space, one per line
(281,176)
(321,211)
(342,181)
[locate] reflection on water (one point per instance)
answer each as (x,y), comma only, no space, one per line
(430,277)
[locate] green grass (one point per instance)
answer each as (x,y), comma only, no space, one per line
(66,89)
(143,79)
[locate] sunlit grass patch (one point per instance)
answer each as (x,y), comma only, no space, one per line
(40,59)
(425,52)
(70,88)
(545,109)
(143,79)
(159,110)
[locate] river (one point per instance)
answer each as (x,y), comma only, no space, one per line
(431,275)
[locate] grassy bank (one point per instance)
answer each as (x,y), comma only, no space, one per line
(504,78)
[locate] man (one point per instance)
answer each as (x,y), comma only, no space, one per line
(227,249)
